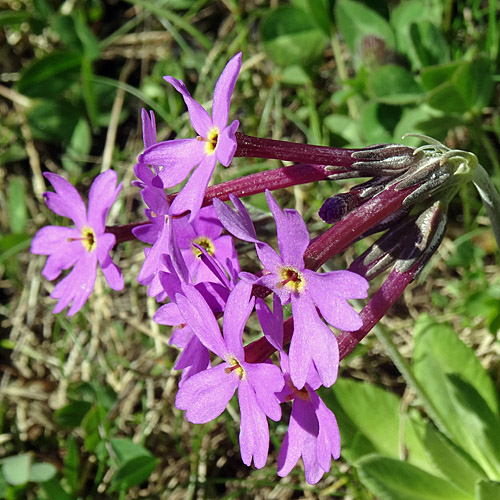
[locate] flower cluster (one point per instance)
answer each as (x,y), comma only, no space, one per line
(192,265)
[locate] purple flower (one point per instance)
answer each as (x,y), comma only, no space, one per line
(216,141)
(286,275)
(205,231)
(205,395)
(81,247)
(313,433)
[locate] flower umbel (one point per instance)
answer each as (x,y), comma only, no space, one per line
(81,247)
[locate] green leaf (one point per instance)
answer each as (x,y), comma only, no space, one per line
(50,75)
(16,470)
(393,84)
(427,44)
(295,75)
(12,18)
(54,490)
(345,127)
(480,428)
(71,414)
(451,461)
(359,402)
(134,471)
(319,11)
(3,485)
(126,449)
(438,352)
(90,424)
(17,205)
(476,91)
(289,37)
(392,479)
(487,490)
(52,120)
(439,355)
(12,244)
(71,464)
(434,76)
(78,148)
(356,21)
(41,472)
(378,121)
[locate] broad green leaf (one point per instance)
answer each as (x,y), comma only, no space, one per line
(427,44)
(50,75)
(17,205)
(433,76)
(392,479)
(361,403)
(90,424)
(52,120)
(487,490)
(134,471)
(12,244)
(479,432)
(54,490)
(294,75)
(71,464)
(451,461)
(41,472)
(290,37)
(3,485)
(78,148)
(344,127)
(439,356)
(377,122)
(356,21)
(12,18)
(72,414)
(126,449)
(475,83)
(319,11)
(438,352)
(402,16)
(16,470)
(447,98)
(393,84)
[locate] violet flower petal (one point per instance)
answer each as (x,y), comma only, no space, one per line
(238,309)
(309,333)
(191,196)
(110,270)
(224,89)
(323,289)
(266,380)
(199,118)
(205,395)
(293,237)
(66,200)
(254,430)
(238,223)
(227,144)
(200,318)
(148,128)
(102,195)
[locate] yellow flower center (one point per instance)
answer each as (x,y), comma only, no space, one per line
(88,239)
(235,367)
(204,242)
(210,140)
(291,279)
